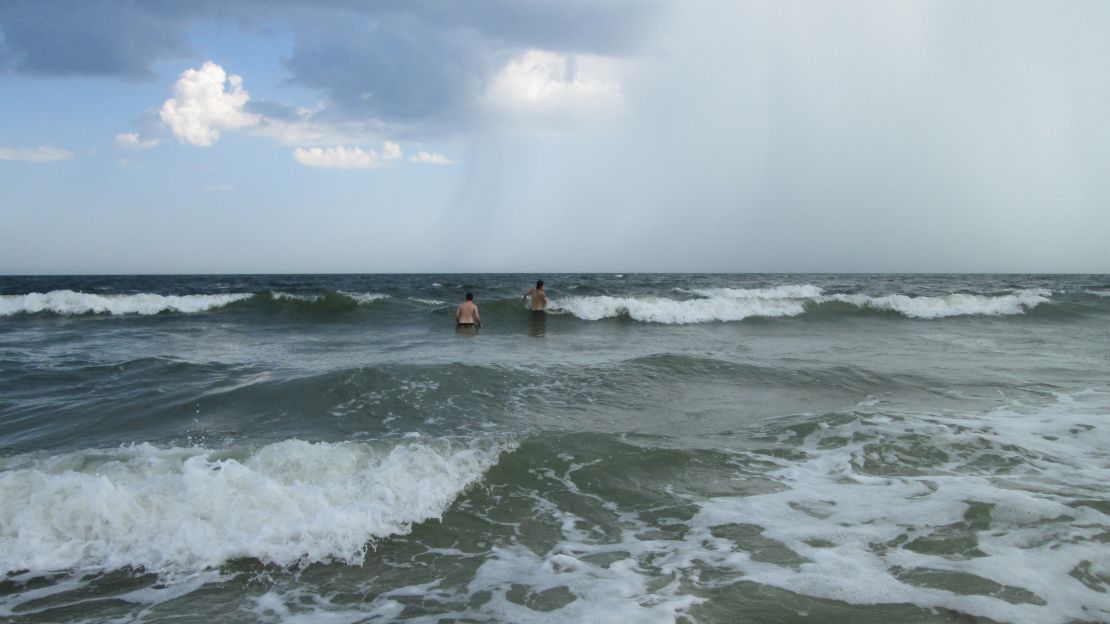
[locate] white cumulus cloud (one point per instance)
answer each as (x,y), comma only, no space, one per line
(42,153)
(205,101)
(391,151)
(341,157)
(430,158)
(552,86)
(132,141)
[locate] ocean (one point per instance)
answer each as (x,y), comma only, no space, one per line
(709,448)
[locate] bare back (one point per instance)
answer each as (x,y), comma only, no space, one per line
(539,298)
(467,313)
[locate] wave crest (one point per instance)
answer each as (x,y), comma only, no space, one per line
(671,311)
(187,509)
(69,302)
(958,304)
(736,304)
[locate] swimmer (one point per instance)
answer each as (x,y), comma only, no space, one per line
(539,297)
(466,315)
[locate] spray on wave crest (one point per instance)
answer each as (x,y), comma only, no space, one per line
(187,509)
(71,302)
(736,304)
(68,302)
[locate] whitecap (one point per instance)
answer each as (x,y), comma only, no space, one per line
(71,302)
(958,304)
(364,297)
(179,510)
(671,311)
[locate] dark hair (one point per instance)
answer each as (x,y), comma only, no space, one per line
(469,296)
(539,283)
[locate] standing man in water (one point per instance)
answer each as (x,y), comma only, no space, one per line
(466,315)
(539,297)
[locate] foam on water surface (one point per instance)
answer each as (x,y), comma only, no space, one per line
(671,311)
(179,510)
(364,297)
(737,304)
(996,515)
(70,302)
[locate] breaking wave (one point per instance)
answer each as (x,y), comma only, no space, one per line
(71,302)
(68,302)
(685,306)
(172,510)
(672,311)
(735,304)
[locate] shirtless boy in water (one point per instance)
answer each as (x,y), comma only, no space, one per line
(466,315)
(539,297)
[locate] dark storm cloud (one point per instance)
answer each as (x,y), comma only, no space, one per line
(597,27)
(397,61)
(396,66)
(404,61)
(91,38)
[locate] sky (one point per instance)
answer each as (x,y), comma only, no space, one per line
(335,136)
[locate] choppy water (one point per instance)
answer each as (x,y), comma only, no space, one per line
(657,448)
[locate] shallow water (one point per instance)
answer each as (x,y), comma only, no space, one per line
(656,448)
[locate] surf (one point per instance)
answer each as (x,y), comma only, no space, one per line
(178,510)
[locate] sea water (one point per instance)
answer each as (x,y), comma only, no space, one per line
(655,448)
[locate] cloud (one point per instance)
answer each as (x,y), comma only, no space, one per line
(341,157)
(43,153)
(430,158)
(421,67)
(545,85)
(429,63)
(201,105)
(132,141)
(90,38)
(396,67)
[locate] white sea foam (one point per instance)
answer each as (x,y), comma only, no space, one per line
(835,513)
(1098,293)
(671,311)
(948,305)
(848,520)
(735,304)
(281,295)
(72,302)
(179,510)
(364,297)
(786,291)
(357,297)
(431,302)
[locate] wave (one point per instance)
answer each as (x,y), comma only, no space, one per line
(788,291)
(736,304)
(364,297)
(69,302)
(180,510)
(701,305)
(957,304)
(671,311)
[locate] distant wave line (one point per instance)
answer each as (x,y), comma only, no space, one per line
(69,302)
(731,304)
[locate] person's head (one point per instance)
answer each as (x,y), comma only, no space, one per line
(470,296)
(539,283)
